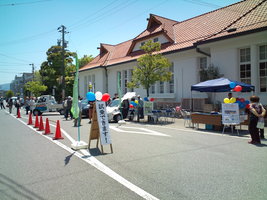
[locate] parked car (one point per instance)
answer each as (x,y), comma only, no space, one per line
(47,103)
(85,108)
(113,109)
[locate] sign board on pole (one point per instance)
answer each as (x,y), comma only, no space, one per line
(230,113)
(148,107)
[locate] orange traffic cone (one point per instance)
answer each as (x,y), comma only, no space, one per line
(18,114)
(47,127)
(41,127)
(58,132)
(36,125)
(30,119)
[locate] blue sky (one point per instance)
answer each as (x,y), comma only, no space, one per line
(29,27)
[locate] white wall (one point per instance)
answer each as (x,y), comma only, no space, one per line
(99,81)
(225,55)
(162,39)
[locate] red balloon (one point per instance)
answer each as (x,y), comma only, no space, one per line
(242,100)
(238,88)
(152,99)
(105,97)
(131,106)
(248,106)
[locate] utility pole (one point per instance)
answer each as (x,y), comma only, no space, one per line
(32,71)
(62,29)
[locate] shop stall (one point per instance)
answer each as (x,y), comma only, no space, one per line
(215,119)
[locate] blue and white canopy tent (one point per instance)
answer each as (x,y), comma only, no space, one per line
(220,85)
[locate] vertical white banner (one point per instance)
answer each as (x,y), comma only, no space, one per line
(103,124)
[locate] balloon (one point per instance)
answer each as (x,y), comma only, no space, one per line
(145,99)
(248,106)
(226,100)
(136,101)
(134,104)
(232,85)
(238,88)
(131,106)
(152,99)
(247,102)
(98,95)
(105,97)
(242,100)
(242,105)
(232,100)
(90,96)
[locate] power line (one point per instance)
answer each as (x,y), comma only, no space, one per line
(14,58)
(26,3)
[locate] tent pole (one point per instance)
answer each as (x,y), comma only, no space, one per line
(191,103)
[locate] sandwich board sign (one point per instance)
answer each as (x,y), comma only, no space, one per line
(100,125)
(230,113)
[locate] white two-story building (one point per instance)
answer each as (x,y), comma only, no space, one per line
(233,38)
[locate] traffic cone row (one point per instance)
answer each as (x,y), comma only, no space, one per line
(46,129)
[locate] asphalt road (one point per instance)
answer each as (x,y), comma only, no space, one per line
(149,162)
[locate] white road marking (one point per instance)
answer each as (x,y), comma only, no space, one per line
(145,131)
(87,157)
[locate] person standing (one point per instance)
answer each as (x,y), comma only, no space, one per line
(17,104)
(256,112)
(125,105)
(77,121)
(68,108)
(27,105)
(140,108)
(32,104)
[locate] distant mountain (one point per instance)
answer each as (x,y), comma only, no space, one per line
(5,86)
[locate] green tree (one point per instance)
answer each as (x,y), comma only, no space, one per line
(151,67)
(35,87)
(85,60)
(51,71)
(9,94)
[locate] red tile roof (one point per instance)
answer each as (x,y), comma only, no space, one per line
(245,16)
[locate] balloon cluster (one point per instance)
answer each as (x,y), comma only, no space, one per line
(236,88)
(227,100)
(242,103)
(90,96)
(133,103)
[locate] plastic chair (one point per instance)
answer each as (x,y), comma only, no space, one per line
(187,117)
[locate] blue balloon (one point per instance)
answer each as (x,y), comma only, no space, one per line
(134,104)
(90,96)
(242,105)
(247,102)
(232,85)
(145,99)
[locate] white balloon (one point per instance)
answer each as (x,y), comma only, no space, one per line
(98,95)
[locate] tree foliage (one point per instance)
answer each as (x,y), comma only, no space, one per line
(151,67)
(9,94)
(85,60)
(51,71)
(35,87)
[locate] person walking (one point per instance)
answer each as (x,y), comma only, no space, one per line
(256,113)
(2,103)
(10,105)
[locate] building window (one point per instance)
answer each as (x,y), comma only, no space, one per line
(125,79)
(118,82)
(161,87)
(152,89)
(245,66)
(155,39)
(130,79)
(203,63)
(263,68)
(171,82)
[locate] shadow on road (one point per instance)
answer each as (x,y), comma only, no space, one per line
(17,189)
(67,159)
